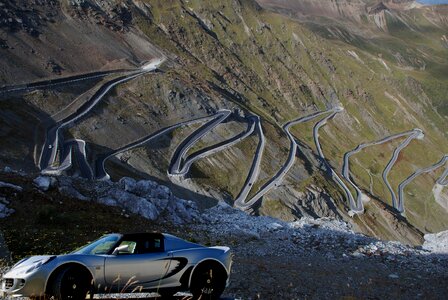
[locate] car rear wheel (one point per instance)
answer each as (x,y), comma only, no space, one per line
(208,282)
(70,284)
(167,293)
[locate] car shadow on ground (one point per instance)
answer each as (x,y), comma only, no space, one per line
(149,296)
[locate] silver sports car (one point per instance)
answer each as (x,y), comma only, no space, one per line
(152,262)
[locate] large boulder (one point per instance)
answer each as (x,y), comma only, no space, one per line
(141,188)
(150,200)
(130,202)
(43,183)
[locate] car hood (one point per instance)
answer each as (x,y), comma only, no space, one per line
(27,263)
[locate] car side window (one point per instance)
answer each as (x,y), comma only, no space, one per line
(131,247)
(152,245)
(102,248)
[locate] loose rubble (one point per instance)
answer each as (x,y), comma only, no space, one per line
(437,242)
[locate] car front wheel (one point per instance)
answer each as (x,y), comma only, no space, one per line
(208,282)
(70,284)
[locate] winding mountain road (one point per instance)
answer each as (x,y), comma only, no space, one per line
(50,148)
(334,175)
(416,134)
(219,146)
(254,169)
(101,173)
(408,180)
(443,180)
(188,142)
(57,81)
(72,148)
(181,163)
(241,201)
(346,164)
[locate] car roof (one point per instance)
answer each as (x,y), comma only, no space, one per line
(142,235)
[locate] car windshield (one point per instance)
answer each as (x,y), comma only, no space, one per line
(102,246)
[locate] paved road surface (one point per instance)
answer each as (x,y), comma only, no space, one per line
(414,175)
(218,147)
(189,141)
(241,201)
(334,175)
(101,173)
(254,169)
(50,148)
(346,164)
(416,134)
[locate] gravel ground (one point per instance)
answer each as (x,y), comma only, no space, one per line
(320,259)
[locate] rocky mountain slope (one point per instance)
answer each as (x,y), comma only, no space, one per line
(319,258)
(257,64)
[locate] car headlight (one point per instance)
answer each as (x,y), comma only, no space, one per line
(37,264)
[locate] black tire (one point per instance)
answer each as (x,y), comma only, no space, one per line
(208,282)
(167,293)
(71,283)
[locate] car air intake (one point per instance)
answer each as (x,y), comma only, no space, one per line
(9,282)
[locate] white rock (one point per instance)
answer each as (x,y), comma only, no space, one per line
(43,183)
(161,192)
(436,242)
(132,203)
(145,187)
(128,184)
(107,201)
(143,207)
(161,204)
(274,226)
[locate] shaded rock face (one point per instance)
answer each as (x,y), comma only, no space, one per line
(27,16)
(339,8)
(359,11)
(380,7)
(115,16)
(336,9)
(314,203)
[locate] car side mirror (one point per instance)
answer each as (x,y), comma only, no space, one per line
(122,248)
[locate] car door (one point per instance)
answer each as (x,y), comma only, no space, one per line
(143,264)
(145,270)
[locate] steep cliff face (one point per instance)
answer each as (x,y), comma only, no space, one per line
(351,9)
(335,9)
(235,55)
